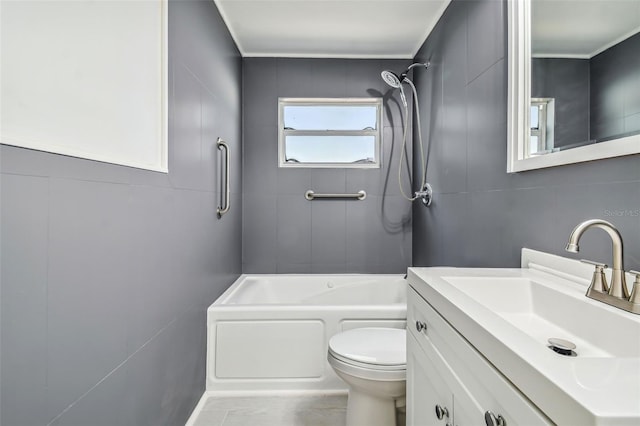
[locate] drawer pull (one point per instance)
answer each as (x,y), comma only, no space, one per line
(441,412)
(491,420)
(421,326)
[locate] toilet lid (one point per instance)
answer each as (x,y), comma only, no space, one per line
(372,346)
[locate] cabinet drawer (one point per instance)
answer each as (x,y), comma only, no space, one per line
(477,386)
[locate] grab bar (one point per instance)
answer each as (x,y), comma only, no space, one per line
(310,195)
(220,210)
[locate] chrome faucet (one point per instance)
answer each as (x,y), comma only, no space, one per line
(618,285)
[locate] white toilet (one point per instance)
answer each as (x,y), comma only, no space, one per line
(373,363)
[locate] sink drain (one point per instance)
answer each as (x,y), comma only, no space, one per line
(561,346)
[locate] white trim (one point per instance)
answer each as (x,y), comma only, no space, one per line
(588,55)
(227,24)
(164,90)
(614,42)
(560,56)
(431,26)
(609,149)
(518,83)
(327,55)
(519,98)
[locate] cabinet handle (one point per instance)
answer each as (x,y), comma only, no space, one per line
(491,420)
(441,412)
(420,326)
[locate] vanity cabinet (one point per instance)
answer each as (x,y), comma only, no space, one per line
(450,383)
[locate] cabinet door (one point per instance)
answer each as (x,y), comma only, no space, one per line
(476,386)
(426,389)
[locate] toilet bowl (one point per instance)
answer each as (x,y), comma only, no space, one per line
(373,364)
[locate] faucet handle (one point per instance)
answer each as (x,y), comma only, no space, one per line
(599,281)
(635,291)
(598,265)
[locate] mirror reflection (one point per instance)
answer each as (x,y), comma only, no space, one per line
(585,73)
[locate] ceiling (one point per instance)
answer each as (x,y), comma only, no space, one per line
(331,28)
(581,28)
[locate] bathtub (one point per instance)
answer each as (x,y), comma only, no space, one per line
(270,332)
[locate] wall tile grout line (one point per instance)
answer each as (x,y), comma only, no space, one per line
(116,368)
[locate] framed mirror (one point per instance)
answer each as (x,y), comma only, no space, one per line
(574,81)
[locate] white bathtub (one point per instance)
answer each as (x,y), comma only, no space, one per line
(270,332)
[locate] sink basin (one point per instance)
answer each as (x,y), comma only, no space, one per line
(508,315)
(542,311)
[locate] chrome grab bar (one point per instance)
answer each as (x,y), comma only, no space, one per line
(220,210)
(310,195)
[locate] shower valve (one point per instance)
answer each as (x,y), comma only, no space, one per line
(426,195)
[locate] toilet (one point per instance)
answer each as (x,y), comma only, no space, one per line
(373,364)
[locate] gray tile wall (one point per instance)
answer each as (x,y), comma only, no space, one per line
(107,270)
(615,90)
(567,81)
(482,216)
(282,231)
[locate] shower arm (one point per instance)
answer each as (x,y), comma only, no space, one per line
(417,64)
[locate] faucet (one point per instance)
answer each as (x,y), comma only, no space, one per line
(618,285)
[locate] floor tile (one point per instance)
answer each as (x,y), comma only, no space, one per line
(211,418)
(279,410)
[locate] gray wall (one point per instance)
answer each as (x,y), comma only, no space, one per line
(283,232)
(566,80)
(615,90)
(482,216)
(107,271)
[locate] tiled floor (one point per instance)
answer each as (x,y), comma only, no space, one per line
(312,410)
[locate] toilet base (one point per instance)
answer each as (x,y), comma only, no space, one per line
(367,410)
(372,403)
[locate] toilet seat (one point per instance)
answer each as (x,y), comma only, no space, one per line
(371,353)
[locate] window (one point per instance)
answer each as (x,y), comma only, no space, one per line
(329,132)
(542,125)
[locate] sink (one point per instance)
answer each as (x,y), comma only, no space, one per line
(508,315)
(544,310)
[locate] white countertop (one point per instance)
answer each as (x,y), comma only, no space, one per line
(599,386)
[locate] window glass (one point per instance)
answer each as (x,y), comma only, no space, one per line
(330,149)
(534,116)
(324,132)
(336,117)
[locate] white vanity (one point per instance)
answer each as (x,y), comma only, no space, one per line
(478,351)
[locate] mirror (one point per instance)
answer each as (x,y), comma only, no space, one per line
(574,81)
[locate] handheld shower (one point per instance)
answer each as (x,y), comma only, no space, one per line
(395,81)
(391,79)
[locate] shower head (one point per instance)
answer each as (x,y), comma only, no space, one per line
(391,79)
(394,80)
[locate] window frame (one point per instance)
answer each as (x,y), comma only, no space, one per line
(545,129)
(283,133)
